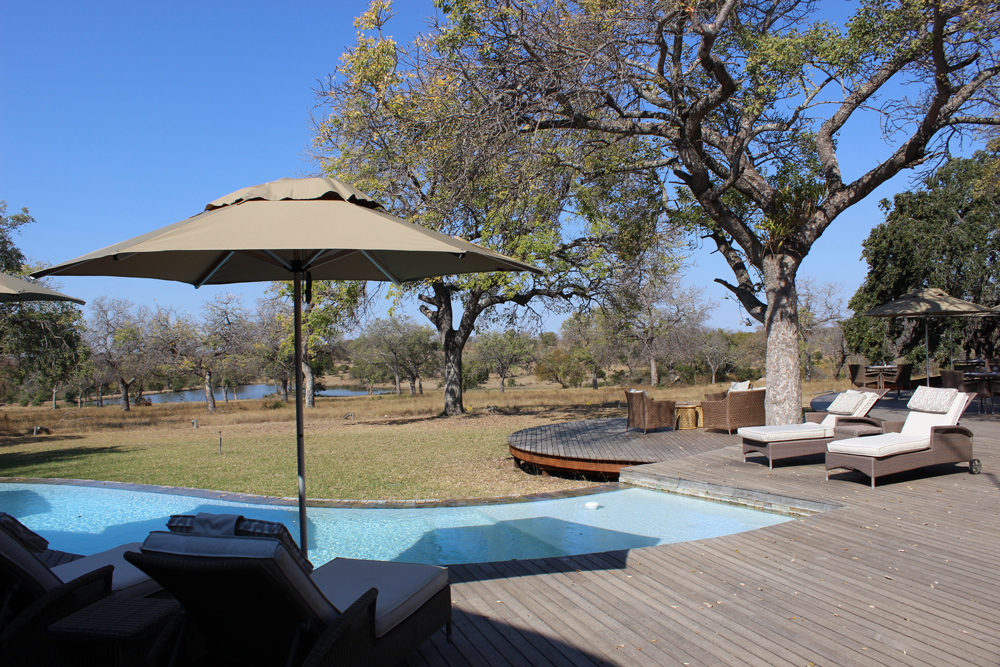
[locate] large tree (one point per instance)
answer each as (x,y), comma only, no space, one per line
(747,103)
(394,128)
(944,234)
(120,337)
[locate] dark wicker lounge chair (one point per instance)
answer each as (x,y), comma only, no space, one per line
(806,439)
(39,586)
(734,410)
(251,602)
(648,413)
(924,439)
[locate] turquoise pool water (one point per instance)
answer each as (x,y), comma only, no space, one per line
(87,520)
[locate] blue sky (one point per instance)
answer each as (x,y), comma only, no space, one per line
(117,118)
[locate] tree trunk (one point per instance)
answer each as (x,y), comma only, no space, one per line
(395,374)
(123,387)
(452,340)
(452,374)
(284,390)
(783,404)
(503,381)
(236,389)
(420,384)
(209,394)
(55,406)
(100,396)
(654,373)
(413,384)
(310,384)
(225,391)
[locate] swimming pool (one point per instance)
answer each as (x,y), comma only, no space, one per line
(86,520)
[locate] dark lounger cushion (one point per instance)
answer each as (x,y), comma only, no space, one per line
(184,523)
(29,539)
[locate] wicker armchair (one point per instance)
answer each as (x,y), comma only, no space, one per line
(736,409)
(899,381)
(862,378)
(648,413)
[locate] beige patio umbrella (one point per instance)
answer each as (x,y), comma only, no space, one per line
(14,290)
(291,229)
(926,303)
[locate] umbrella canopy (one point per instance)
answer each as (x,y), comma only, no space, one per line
(314,228)
(266,232)
(15,290)
(927,303)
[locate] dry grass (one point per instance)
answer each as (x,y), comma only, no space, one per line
(395,448)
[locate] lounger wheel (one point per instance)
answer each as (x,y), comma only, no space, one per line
(975,466)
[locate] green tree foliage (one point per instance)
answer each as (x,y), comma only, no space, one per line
(504,352)
(945,234)
(567,367)
(474,374)
(44,343)
(746,104)
(11,258)
(328,307)
(41,340)
(393,127)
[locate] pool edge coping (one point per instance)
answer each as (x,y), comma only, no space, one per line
(315,502)
(729,495)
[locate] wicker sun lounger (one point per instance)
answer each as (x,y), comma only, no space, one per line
(811,437)
(251,601)
(34,595)
(926,438)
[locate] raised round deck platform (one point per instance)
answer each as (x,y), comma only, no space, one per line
(603,446)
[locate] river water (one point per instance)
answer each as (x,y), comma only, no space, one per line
(245,391)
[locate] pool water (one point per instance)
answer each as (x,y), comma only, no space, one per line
(86,520)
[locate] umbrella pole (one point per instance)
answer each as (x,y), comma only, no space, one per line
(300,440)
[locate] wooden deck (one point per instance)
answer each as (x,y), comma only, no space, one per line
(907,574)
(604,446)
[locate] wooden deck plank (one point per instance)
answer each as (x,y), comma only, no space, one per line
(938,525)
(811,600)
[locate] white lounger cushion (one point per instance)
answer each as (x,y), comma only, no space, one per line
(878,446)
(863,408)
(920,423)
(807,431)
(127,579)
(846,403)
(402,587)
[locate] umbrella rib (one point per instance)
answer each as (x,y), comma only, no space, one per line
(275,257)
(308,262)
(216,265)
(265,257)
(381,267)
(340,254)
